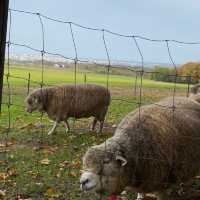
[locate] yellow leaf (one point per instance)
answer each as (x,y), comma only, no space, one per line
(45,161)
(2,193)
(51,192)
(2,162)
(12,172)
(3,176)
(72,174)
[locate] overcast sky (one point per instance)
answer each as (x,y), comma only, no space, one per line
(156,19)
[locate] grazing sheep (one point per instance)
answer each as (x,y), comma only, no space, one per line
(153,149)
(62,102)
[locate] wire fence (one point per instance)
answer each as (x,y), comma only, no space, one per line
(38,140)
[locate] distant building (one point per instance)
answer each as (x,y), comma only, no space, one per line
(58,65)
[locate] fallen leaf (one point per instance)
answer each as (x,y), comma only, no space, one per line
(51,192)
(45,161)
(12,172)
(3,176)
(2,193)
(72,174)
(2,162)
(73,165)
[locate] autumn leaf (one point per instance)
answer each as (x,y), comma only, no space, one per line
(3,176)
(47,150)
(73,165)
(23,198)
(34,175)
(52,193)
(2,193)
(72,174)
(2,145)
(2,162)
(45,161)
(12,172)
(65,164)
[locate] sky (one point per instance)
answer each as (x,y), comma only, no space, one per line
(155,19)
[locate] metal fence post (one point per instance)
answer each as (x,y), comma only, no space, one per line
(3,30)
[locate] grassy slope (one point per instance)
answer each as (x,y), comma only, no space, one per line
(23,170)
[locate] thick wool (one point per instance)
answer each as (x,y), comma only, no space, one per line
(161,146)
(78,101)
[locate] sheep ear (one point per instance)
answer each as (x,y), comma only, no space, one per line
(122,160)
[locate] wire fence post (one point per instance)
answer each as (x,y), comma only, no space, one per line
(3,30)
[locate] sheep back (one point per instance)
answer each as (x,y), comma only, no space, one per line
(76,101)
(162,146)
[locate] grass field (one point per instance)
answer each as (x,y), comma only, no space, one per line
(36,166)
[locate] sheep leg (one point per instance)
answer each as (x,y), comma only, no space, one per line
(140,196)
(53,128)
(101,119)
(101,126)
(94,124)
(67,127)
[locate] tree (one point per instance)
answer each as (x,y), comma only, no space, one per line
(191,69)
(163,74)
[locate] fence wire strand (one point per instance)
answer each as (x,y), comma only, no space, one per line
(139,73)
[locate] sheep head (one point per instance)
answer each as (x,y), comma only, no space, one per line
(103,171)
(34,101)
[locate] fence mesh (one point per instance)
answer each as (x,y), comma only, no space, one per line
(34,165)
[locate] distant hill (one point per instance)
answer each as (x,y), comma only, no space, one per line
(118,67)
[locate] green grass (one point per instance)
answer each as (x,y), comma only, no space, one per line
(22,169)
(62,76)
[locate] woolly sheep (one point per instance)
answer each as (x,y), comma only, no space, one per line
(152,149)
(78,101)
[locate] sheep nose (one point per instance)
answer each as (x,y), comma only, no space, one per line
(83,182)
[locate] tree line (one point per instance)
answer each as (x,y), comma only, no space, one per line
(189,72)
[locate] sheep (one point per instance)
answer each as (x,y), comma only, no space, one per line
(78,101)
(155,147)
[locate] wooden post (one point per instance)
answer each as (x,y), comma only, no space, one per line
(3,30)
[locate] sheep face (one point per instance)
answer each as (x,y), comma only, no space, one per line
(33,102)
(103,171)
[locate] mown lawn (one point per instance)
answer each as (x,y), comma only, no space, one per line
(36,166)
